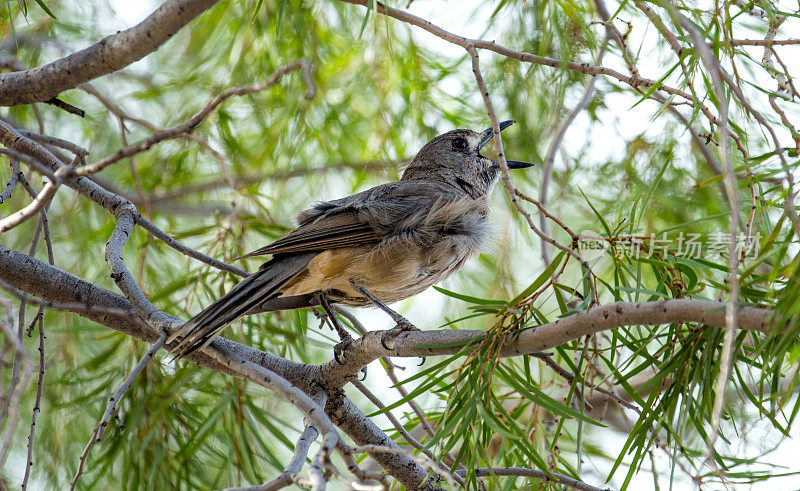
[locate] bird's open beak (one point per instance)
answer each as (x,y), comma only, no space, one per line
(487,135)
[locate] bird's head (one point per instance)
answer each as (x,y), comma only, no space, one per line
(455,157)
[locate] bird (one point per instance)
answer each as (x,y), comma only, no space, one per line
(375,247)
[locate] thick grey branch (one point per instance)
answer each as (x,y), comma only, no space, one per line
(39,279)
(111,54)
(423,343)
(55,285)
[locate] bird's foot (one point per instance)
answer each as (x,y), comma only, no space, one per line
(340,349)
(403,325)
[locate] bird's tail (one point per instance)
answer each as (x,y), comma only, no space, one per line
(245,297)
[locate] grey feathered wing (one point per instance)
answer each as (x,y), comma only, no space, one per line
(364,218)
(292,252)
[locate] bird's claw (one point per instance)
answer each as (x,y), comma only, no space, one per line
(402,326)
(340,349)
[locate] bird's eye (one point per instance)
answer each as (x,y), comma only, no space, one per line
(459,144)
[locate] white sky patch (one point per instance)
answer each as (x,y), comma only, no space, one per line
(131,12)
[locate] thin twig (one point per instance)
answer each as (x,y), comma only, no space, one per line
(505,176)
(56,142)
(38,203)
(194,121)
(97,434)
(361,475)
(37,405)
(570,377)
(12,181)
(547,214)
(536,474)
(425,462)
(765,42)
(22,358)
(289,476)
(184,249)
(114,108)
(45,227)
(15,394)
(398,426)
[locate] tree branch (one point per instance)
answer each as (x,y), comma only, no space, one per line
(289,475)
(44,83)
(56,285)
(38,203)
(536,474)
(160,321)
(53,284)
(188,126)
(31,152)
(765,42)
(464,42)
(364,350)
(16,173)
(363,431)
(111,407)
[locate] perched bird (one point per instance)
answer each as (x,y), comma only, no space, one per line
(377,247)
